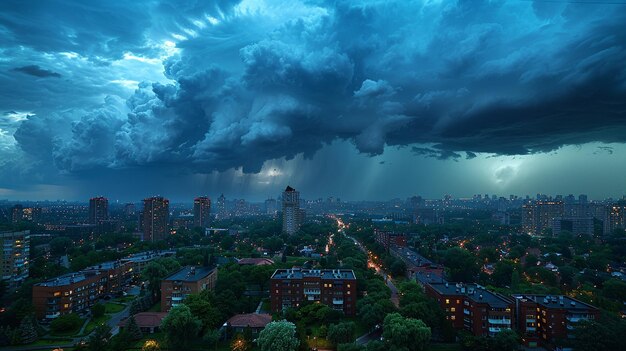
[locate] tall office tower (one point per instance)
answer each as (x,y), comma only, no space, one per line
(155,218)
(129,210)
(221,207)
(98,210)
(14,257)
(271,207)
(201,212)
(292,215)
(617,216)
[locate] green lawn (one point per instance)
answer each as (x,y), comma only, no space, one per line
(111,307)
(124,299)
(51,341)
(94,322)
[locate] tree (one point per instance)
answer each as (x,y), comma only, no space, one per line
(60,245)
(134,332)
(28,330)
(349,347)
(211,337)
(99,339)
(278,336)
(405,333)
(506,340)
(461,265)
(98,310)
(341,333)
(179,326)
(66,323)
(153,273)
(201,308)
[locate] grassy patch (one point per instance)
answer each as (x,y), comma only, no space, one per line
(111,307)
(124,299)
(94,322)
(51,341)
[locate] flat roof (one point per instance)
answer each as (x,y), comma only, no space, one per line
(63,280)
(412,256)
(554,301)
(191,273)
(474,292)
(299,273)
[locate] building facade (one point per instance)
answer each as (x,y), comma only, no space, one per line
(69,293)
(473,308)
(98,210)
(292,214)
(155,218)
(537,216)
(202,212)
(14,257)
(546,321)
(336,288)
(188,280)
(388,238)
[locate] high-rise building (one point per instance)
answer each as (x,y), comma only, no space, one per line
(155,218)
(14,257)
(537,216)
(271,207)
(617,216)
(98,210)
(202,212)
(292,215)
(221,207)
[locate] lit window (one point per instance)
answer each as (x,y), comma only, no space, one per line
(447,301)
(452,309)
(453,317)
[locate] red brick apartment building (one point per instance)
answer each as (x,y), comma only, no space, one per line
(336,288)
(544,320)
(389,238)
(473,308)
(188,280)
(69,293)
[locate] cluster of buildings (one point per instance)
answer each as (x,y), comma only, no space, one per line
(570,214)
(77,292)
(541,320)
(336,288)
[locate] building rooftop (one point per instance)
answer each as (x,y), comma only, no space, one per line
(255,261)
(251,320)
(63,280)
(413,257)
(474,292)
(146,319)
(298,273)
(191,273)
(556,301)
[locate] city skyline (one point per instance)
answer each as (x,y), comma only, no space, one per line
(243,97)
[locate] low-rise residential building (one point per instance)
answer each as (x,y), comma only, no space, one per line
(389,239)
(473,308)
(255,261)
(546,320)
(69,293)
(188,280)
(255,322)
(336,288)
(148,322)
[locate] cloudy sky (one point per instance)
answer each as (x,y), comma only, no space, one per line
(356,99)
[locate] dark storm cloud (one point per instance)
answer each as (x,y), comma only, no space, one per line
(252,84)
(36,71)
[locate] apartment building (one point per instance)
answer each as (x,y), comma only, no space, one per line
(389,239)
(473,308)
(69,293)
(336,288)
(546,320)
(14,257)
(188,280)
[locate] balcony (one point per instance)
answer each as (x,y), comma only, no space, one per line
(496,330)
(52,315)
(499,321)
(177,298)
(466,311)
(337,301)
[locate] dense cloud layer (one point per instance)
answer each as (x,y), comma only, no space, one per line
(253,81)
